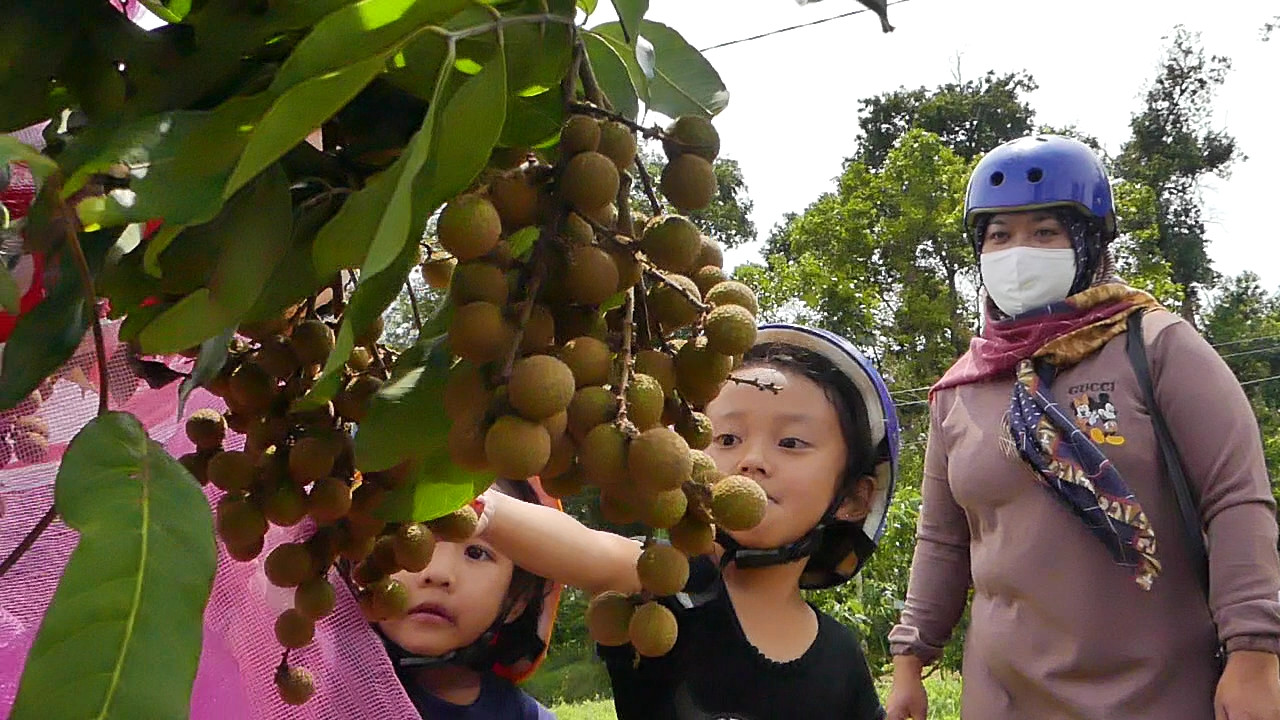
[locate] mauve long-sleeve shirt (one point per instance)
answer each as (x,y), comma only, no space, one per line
(1059,630)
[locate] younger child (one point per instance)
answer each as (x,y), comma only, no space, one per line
(821,440)
(476,623)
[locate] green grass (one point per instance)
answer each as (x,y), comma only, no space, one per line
(943,688)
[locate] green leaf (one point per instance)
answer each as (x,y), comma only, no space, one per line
(612,74)
(254,232)
(367,303)
(295,278)
(611,33)
(300,110)
(532,121)
(684,82)
(407,422)
(47,336)
(521,243)
(449,150)
(14,150)
(10,296)
(344,241)
(213,355)
(631,12)
(125,625)
(171,11)
(180,160)
(588,6)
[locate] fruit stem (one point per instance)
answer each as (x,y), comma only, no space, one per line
(16,554)
(90,307)
(771,387)
(283,667)
(628,325)
(651,271)
(647,182)
(413,303)
(590,87)
(537,267)
(652,133)
(569,83)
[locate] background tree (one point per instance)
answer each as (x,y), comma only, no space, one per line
(1174,146)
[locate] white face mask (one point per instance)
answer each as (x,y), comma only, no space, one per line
(1023,278)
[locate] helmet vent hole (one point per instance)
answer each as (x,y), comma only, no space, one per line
(1035,175)
(997,178)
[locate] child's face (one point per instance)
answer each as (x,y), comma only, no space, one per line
(789,442)
(453,601)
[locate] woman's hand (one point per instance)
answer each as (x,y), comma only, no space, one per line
(907,698)
(1249,688)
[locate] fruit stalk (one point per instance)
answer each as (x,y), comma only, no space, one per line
(28,541)
(770,386)
(652,133)
(413,303)
(90,307)
(647,182)
(590,87)
(651,272)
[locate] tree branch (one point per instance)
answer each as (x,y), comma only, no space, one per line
(413,303)
(651,271)
(652,133)
(30,539)
(771,387)
(647,182)
(90,307)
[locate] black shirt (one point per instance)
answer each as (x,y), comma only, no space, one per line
(715,673)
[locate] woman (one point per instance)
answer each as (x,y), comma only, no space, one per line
(1044,485)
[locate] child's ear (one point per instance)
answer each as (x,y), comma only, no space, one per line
(857,501)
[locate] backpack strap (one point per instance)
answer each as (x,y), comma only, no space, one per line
(1193,526)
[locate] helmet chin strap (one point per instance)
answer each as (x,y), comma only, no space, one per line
(806,545)
(479,655)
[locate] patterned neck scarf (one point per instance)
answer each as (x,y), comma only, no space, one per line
(1035,346)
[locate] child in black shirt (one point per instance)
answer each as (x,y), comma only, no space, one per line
(814,426)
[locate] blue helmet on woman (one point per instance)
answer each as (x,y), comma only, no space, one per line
(1045,172)
(837,549)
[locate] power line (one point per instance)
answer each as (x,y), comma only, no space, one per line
(796,27)
(1246,340)
(1273,348)
(1260,380)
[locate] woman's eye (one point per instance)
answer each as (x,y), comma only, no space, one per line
(477,552)
(792,443)
(726,440)
(1048,232)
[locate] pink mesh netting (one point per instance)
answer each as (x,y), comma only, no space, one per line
(354,677)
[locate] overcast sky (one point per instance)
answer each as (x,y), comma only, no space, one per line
(792,114)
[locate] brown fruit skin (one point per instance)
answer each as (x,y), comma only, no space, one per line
(329,500)
(314,598)
(479,333)
(617,143)
(670,306)
(438,272)
(707,277)
(653,630)
(289,565)
(515,197)
(578,231)
(295,685)
(591,406)
(478,280)
(565,485)
(517,448)
(689,183)
(469,227)
(591,275)
(196,463)
(294,630)
(665,509)
(353,402)
(620,504)
(563,452)
(239,522)
(608,618)
(466,442)
(589,182)
(606,214)
(730,330)
(602,455)
(662,569)
(276,356)
(711,254)
(732,292)
(589,360)
(644,401)
(581,133)
(312,341)
(629,268)
(251,388)
(700,372)
(672,242)
(246,552)
(691,134)
(693,537)
(413,545)
(696,430)
(658,460)
(540,386)
(466,395)
(207,429)
(285,505)
(232,470)
(310,459)
(738,503)
(540,331)
(659,366)
(457,526)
